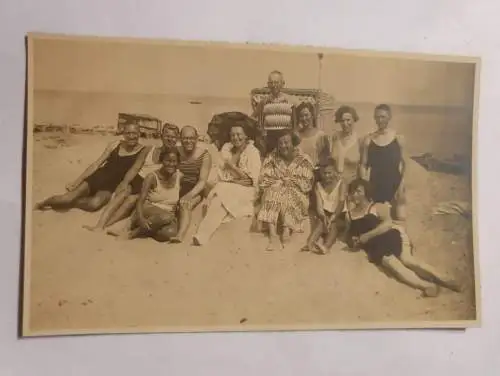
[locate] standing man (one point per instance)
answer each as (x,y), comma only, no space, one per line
(276,111)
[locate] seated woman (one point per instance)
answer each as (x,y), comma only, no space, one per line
(195,164)
(234,194)
(112,172)
(123,203)
(386,244)
(329,193)
(285,182)
(155,215)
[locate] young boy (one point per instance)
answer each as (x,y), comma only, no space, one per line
(329,197)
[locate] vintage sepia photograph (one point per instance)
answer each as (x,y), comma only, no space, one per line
(175,186)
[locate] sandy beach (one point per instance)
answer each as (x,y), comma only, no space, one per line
(91,281)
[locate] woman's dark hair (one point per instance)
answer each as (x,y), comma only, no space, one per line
(383,107)
(327,162)
(167,151)
(346,110)
(311,109)
(249,132)
(171,127)
(356,183)
(288,132)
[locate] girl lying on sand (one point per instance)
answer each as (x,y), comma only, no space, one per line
(329,197)
(386,244)
(156,212)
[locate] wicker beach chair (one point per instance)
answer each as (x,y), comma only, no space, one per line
(323,103)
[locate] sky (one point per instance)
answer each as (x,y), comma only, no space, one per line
(153,68)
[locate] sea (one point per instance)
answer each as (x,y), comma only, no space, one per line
(442,131)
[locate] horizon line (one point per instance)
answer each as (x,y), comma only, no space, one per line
(194,97)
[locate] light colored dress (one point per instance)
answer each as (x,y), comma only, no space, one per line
(237,199)
(229,200)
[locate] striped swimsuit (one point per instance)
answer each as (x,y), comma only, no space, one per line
(191,172)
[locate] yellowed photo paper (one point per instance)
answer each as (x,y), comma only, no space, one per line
(175,186)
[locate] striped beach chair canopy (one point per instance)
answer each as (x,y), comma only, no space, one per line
(324,103)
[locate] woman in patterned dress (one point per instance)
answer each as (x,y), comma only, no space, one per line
(286,180)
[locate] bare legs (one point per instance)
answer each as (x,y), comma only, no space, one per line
(274,241)
(407,276)
(428,272)
(185,216)
(120,207)
(162,225)
(319,230)
(78,198)
(418,274)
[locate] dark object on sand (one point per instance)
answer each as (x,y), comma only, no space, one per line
(458,165)
(223,122)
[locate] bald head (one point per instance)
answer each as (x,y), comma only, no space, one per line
(275,82)
(189,131)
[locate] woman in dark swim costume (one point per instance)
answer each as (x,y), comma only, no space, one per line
(386,244)
(383,163)
(124,202)
(115,169)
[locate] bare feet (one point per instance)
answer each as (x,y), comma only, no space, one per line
(115,232)
(452,285)
(320,249)
(41,206)
(431,292)
(305,248)
(286,236)
(176,240)
(196,241)
(93,228)
(274,244)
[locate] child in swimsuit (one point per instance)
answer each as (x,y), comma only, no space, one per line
(329,197)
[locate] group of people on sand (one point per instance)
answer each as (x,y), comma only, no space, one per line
(350,188)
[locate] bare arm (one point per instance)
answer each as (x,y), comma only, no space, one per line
(95,165)
(384,213)
(136,167)
(404,156)
(202,180)
(364,170)
(148,184)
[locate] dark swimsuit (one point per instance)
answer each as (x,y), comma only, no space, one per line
(110,175)
(385,176)
(386,244)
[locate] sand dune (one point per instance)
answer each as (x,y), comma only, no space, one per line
(82,280)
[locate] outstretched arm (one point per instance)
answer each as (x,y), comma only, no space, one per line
(96,164)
